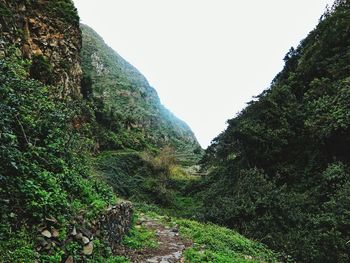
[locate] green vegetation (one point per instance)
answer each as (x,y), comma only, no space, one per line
(41,70)
(46,145)
(63,9)
(4,11)
(280,173)
(140,237)
(44,169)
(149,180)
(218,244)
(209,242)
(152,178)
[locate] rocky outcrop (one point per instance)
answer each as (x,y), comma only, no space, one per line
(48,33)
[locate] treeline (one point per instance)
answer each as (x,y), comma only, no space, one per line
(280,173)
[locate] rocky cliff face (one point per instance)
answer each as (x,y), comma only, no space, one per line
(48,33)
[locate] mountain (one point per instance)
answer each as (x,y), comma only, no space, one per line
(280,173)
(127,106)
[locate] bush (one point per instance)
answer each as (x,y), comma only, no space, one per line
(141,177)
(44,169)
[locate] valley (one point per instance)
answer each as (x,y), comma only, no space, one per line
(93,168)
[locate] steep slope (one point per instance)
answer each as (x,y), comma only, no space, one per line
(126,103)
(280,173)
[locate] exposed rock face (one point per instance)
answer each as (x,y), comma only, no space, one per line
(48,33)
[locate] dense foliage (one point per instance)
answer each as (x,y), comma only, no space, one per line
(280,173)
(139,176)
(44,172)
(63,9)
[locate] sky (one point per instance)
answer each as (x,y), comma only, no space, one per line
(205,58)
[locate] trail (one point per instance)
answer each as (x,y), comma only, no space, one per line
(170,245)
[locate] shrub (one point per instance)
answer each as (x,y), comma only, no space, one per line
(44,169)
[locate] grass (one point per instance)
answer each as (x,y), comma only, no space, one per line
(139,237)
(218,244)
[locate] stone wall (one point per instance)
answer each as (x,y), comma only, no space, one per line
(115,223)
(109,227)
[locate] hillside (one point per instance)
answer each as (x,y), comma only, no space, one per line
(59,188)
(127,106)
(280,173)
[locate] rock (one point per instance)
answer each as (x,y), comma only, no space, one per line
(55,233)
(87,250)
(85,240)
(46,233)
(69,260)
(74,231)
(79,236)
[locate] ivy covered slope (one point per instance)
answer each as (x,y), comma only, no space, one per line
(280,173)
(128,108)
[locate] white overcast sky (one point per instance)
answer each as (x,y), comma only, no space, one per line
(206,58)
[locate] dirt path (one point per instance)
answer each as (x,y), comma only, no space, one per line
(170,244)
